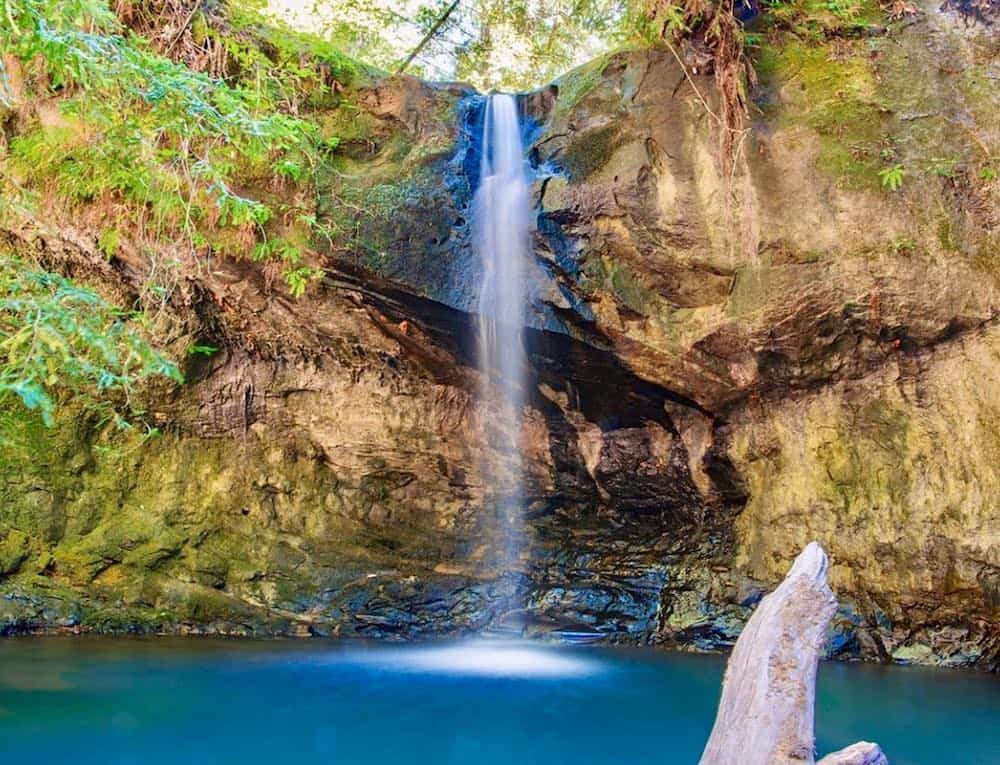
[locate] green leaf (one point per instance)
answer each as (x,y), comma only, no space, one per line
(203,350)
(56,336)
(892,177)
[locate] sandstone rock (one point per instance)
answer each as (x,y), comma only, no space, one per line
(335,489)
(830,333)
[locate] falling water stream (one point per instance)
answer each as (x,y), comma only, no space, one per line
(501,211)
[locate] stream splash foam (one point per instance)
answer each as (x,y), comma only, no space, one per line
(484,658)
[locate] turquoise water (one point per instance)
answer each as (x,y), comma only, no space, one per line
(176,701)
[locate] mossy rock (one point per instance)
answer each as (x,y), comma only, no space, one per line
(590,150)
(837,98)
(575,85)
(14,550)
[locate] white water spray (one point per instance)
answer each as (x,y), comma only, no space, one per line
(501,210)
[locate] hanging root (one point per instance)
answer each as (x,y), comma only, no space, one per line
(711,29)
(188,31)
(734,75)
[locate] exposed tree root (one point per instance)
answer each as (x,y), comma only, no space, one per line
(713,40)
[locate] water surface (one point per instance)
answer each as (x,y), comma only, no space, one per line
(160,701)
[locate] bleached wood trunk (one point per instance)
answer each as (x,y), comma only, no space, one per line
(766,714)
(861,753)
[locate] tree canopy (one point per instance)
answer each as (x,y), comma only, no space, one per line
(491,44)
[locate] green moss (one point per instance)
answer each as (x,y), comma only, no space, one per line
(979,90)
(371,216)
(577,83)
(13,550)
(946,234)
(883,423)
(750,290)
(817,20)
(38,467)
(349,123)
(143,538)
(876,102)
(196,604)
(128,537)
(836,98)
(987,255)
(214,558)
(115,620)
(590,150)
(863,458)
(616,277)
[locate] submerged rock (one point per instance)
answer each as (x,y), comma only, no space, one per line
(766,714)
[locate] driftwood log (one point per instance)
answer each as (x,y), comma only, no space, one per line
(767,709)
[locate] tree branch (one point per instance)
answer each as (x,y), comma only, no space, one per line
(428,37)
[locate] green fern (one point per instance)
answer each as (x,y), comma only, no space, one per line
(892,177)
(56,336)
(193,158)
(143,128)
(298,279)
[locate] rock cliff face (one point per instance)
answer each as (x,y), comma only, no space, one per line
(724,368)
(842,339)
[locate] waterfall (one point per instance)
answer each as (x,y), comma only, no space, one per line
(501,219)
